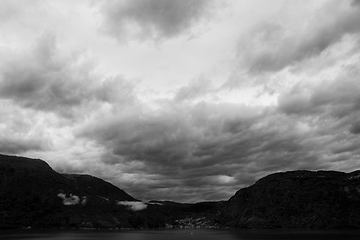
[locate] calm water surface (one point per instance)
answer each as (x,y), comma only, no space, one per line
(179,234)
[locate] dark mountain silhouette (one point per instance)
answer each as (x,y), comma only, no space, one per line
(199,207)
(33,194)
(297,199)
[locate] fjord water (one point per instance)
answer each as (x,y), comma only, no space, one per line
(180,234)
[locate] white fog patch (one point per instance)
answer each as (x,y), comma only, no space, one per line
(151,203)
(135,206)
(106,199)
(223,179)
(72,200)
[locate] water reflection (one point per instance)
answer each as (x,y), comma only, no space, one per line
(295,234)
(179,234)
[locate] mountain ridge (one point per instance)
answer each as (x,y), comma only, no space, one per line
(297,199)
(32,194)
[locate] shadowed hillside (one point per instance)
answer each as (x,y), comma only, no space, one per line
(34,195)
(298,199)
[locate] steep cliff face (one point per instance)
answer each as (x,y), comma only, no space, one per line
(298,199)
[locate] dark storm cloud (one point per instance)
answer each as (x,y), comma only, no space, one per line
(270,48)
(224,146)
(44,79)
(171,135)
(349,146)
(338,98)
(202,146)
(191,147)
(17,146)
(355,3)
(333,107)
(152,19)
(22,130)
(355,127)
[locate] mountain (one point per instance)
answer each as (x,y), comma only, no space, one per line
(33,194)
(200,207)
(296,199)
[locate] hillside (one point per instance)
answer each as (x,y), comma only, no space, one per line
(33,195)
(297,199)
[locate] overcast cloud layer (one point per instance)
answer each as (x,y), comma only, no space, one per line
(181,100)
(152,19)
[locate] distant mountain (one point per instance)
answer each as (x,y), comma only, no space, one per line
(33,195)
(297,199)
(200,207)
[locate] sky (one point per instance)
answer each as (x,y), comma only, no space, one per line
(182,100)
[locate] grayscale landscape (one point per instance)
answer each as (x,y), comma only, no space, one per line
(158,119)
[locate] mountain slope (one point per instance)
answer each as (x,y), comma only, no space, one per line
(297,199)
(33,194)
